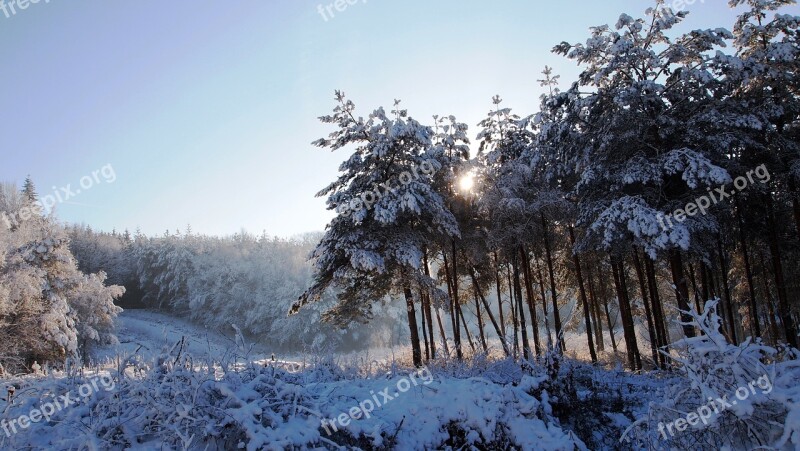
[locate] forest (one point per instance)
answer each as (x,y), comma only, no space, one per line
(583,276)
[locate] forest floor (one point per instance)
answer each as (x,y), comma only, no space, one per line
(170,384)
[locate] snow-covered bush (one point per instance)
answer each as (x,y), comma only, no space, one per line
(182,403)
(49,310)
(733,396)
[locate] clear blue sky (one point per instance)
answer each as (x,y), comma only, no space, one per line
(206,109)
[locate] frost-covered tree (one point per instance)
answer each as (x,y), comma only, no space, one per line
(376,247)
(49,310)
(629,139)
(762,97)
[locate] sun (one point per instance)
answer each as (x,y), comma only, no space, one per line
(467,182)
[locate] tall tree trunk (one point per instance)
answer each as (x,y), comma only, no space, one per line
(416,351)
(693,278)
(425,331)
(497,328)
(755,327)
(454,309)
(625,312)
(773,324)
(705,289)
(777,266)
(526,345)
(526,269)
(623,278)
(426,305)
(544,302)
(681,289)
(726,287)
(604,294)
(441,332)
(796,208)
(598,324)
(478,313)
(514,317)
(456,299)
(499,298)
(466,330)
(795,205)
(651,327)
(659,318)
(582,289)
(713,292)
(556,314)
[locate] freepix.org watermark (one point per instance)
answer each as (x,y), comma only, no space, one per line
(366,407)
(680,5)
(715,407)
(11,7)
(48,409)
(46,202)
(369,198)
(703,203)
(339,5)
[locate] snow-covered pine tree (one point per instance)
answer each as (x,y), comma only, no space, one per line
(626,141)
(377,249)
(762,80)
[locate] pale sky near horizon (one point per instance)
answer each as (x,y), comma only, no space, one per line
(206,110)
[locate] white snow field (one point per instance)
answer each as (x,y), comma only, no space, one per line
(172,385)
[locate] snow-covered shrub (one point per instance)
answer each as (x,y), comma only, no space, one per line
(182,403)
(733,396)
(49,310)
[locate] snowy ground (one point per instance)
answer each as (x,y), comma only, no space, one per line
(149,332)
(214,392)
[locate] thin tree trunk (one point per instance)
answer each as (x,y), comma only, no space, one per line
(755,327)
(777,266)
(693,278)
(681,290)
(556,314)
(584,299)
(456,298)
(544,302)
(651,327)
(497,328)
(796,208)
(425,331)
(526,269)
(499,298)
(598,325)
(454,309)
(712,283)
(514,318)
(630,354)
(632,325)
(426,305)
(441,332)
(416,351)
(526,345)
(604,294)
(726,286)
(466,330)
(705,289)
(795,205)
(773,324)
(478,313)
(659,318)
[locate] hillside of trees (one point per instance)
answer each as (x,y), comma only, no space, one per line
(664,177)
(50,311)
